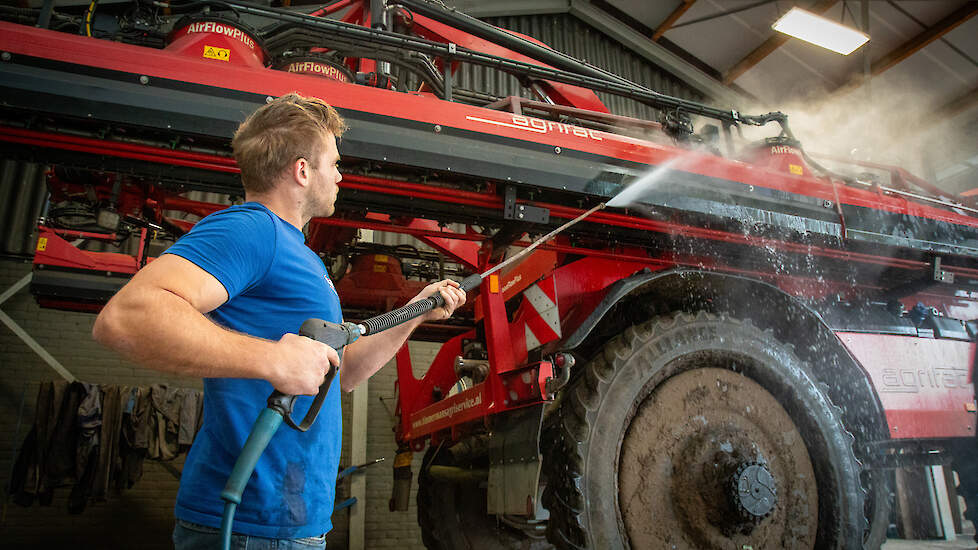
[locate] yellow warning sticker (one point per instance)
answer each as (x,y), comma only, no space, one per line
(42,244)
(213,52)
(796,169)
(380,268)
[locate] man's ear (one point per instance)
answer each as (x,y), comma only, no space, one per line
(301,171)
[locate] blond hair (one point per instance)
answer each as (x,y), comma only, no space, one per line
(279,133)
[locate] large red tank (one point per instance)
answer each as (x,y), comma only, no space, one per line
(778,154)
(218,39)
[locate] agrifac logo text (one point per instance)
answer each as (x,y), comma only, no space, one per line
(539,126)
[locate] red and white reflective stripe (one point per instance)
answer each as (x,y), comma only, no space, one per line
(544,326)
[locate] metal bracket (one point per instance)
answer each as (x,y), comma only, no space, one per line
(940,275)
(523,212)
(514,462)
(936,277)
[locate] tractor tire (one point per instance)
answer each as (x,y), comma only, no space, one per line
(699,431)
(965,463)
(878,505)
(453,516)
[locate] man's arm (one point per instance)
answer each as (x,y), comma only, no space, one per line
(157,320)
(367,355)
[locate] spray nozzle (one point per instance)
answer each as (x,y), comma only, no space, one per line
(677,124)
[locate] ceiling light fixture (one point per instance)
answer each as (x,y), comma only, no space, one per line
(820,31)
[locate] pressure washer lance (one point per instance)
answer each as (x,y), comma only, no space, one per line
(336,336)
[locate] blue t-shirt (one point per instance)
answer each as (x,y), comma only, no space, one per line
(274,283)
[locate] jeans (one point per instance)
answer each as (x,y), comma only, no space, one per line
(190,536)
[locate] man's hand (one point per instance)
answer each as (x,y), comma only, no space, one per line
(299,364)
(454,298)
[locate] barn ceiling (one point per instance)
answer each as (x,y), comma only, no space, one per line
(909,96)
(913,88)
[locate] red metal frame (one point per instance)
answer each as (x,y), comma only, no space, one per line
(119,149)
(414,190)
(52,250)
(21,40)
(487,200)
(579,285)
(901,178)
(333,8)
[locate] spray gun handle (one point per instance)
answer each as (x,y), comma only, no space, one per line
(334,335)
(337,336)
(410,311)
(469,283)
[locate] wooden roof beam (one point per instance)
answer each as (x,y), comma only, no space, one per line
(671,20)
(915,44)
(951,109)
(769,46)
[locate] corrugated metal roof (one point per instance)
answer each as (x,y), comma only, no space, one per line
(568,34)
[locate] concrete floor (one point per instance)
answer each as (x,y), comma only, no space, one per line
(966,541)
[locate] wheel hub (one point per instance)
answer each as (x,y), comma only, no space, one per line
(752,492)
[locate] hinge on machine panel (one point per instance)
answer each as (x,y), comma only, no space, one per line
(940,275)
(523,212)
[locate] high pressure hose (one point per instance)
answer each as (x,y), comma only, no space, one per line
(265,427)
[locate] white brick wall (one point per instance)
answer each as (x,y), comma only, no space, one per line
(143,516)
(386,529)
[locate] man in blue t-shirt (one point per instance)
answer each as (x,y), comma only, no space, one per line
(224,303)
